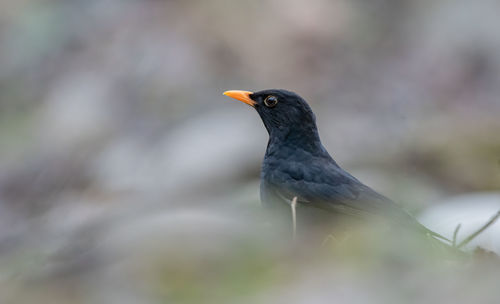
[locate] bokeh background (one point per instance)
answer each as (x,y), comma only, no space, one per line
(126,176)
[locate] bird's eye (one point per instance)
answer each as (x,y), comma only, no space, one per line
(270,101)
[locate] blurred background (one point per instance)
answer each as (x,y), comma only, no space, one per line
(126,176)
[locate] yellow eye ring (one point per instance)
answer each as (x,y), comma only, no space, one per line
(271,101)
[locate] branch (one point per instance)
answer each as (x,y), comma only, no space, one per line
(455,233)
(294,216)
(472,236)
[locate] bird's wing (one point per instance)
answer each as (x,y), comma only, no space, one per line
(327,186)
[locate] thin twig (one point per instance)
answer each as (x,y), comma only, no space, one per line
(294,216)
(472,236)
(455,233)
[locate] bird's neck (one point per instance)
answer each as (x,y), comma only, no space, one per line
(288,140)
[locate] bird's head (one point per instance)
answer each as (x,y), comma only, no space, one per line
(284,113)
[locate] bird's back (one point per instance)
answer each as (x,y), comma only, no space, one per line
(318,182)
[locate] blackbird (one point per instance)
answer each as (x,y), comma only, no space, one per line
(298,171)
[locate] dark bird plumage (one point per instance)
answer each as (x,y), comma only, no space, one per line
(296,164)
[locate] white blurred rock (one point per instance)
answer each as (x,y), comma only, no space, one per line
(471,211)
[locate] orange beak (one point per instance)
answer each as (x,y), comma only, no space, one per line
(243,96)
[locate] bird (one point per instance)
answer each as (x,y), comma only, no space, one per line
(298,173)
